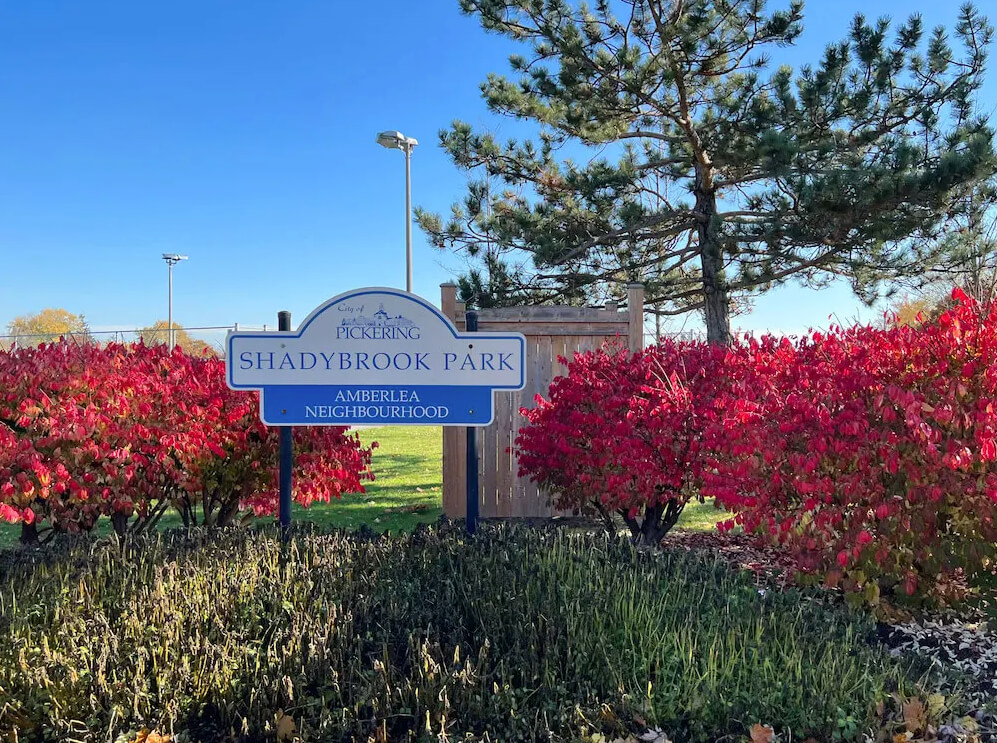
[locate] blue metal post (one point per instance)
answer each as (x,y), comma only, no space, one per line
(471,326)
(286,451)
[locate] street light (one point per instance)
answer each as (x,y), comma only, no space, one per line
(398,141)
(171,260)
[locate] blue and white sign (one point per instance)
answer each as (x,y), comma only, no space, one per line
(376,356)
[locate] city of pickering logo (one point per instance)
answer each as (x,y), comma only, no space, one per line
(381,326)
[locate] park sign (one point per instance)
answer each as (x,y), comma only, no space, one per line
(375,356)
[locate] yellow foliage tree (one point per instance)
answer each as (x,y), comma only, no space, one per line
(912,311)
(48,326)
(922,308)
(160,333)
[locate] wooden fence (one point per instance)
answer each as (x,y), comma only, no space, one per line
(550,332)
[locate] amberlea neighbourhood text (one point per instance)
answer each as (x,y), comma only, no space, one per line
(409,410)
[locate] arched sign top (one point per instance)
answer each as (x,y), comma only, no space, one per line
(375,355)
(369,292)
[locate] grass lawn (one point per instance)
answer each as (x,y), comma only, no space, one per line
(698,516)
(408,466)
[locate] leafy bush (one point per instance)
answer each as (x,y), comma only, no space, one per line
(867,452)
(129,431)
(620,433)
(516,634)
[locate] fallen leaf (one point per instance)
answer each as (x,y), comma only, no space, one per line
(285,726)
(150,736)
(413,508)
(969,724)
(914,715)
(762,733)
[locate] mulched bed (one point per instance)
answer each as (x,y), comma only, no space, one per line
(964,647)
(771,566)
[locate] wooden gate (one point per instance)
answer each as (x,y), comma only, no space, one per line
(550,332)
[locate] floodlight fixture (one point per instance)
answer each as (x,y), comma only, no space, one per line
(171,260)
(394,140)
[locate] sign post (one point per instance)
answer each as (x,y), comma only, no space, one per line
(471,518)
(374,356)
(286,450)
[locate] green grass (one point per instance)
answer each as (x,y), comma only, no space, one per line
(408,467)
(698,516)
(407,490)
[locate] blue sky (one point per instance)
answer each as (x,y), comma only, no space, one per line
(242,134)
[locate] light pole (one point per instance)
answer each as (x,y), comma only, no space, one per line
(398,141)
(171,260)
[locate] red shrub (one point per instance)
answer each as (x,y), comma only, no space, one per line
(868,453)
(122,431)
(620,434)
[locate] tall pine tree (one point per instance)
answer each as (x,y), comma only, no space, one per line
(701,170)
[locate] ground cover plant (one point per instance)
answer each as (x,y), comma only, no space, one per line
(515,634)
(130,432)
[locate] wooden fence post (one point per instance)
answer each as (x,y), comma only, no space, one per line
(635,312)
(454,438)
(551,332)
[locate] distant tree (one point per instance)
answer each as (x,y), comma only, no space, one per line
(48,326)
(968,256)
(160,333)
(699,170)
(915,310)
(964,257)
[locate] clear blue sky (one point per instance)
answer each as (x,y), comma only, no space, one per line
(242,134)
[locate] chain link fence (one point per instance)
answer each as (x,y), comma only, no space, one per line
(213,335)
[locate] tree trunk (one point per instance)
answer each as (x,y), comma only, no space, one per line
(657,522)
(119,522)
(29,533)
(226,513)
(715,294)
